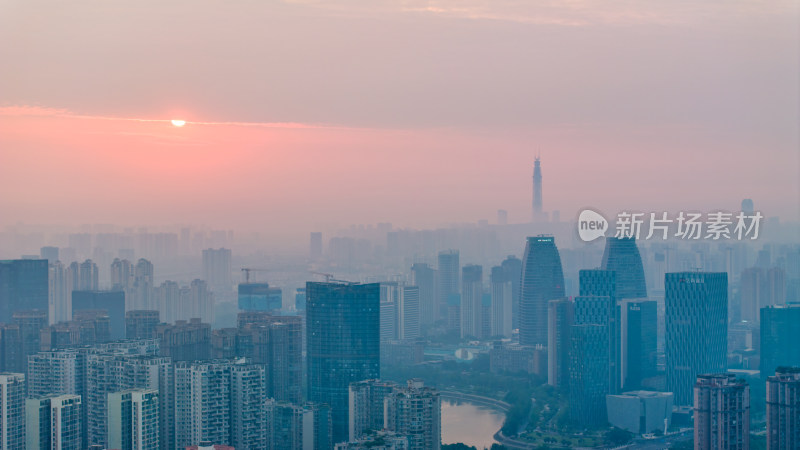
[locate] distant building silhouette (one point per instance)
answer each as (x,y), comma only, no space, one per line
(424,277)
(622,256)
(113,302)
(449,271)
(512,266)
(315,245)
(472,301)
(537,214)
(501,293)
(217,269)
(23,286)
(542,281)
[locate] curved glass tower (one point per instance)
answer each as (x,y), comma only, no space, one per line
(542,281)
(622,256)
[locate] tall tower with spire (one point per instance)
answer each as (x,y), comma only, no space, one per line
(537,190)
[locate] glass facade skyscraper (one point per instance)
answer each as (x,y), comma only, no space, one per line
(622,256)
(23,286)
(638,339)
(780,333)
(588,374)
(343,328)
(542,281)
(696,318)
(598,305)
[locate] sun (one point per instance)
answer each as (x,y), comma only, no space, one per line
(178,123)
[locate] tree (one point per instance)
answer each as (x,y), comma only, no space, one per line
(617,436)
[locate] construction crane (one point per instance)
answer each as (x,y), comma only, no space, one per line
(247,271)
(329,277)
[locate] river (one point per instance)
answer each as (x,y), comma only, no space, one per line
(470,424)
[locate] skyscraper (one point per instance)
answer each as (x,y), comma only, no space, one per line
(53,422)
(779,337)
(366,404)
(598,305)
(424,277)
(217,269)
(542,281)
(588,374)
(298,427)
(113,302)
(783,409)
(472,301)
(501,303)
(343,344)
(721,413)
(259,297)
(248,429)
(560,317)
(141,324)
(537,190)
(30,325)
(512,266)
(622,256)
(133,419)
(60,293)
(202,402)
(23,286)
(638,339)
(416,412)
(696,318)
(12,410)
(449,271)
(408,315)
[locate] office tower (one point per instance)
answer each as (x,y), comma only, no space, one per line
(112,302)
(502,217)
(721,413)
(542,281)
(424,277)
(638,338)
(300,299)
(141,324)
(408,314)
(248,429)
(217,269)
(343,344)
(12,410)
(141,291)
(501,303)
(588,374)
(537,191)
(560,317)
(202,402)
(23,286)
(416,412)
(49,253)
(315,246)
(696,319)
(277,342)
(512,266)
(783,409)
(448,271)
(30,325)
(11,357)
(472,301)
(780,334)
(86,277)
(53,423)
(366,406)
(133,419)
(60,293)
(298,427)
(185,341)
(259,297)
(622,256)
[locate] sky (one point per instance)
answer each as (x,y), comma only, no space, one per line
(307,114)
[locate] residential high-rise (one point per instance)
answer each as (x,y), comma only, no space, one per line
(472,301)
(598,305)
(408,314)
(721,413)
(783,409)
(185,341)
(112,302)
(779,337)
(23,286)
(622,256)
(512,266)
(501,303)
(560,317)
(638,339)
(366,406)
(53,422)
(217,269)
(30,325)
(141,324)
(416,412)
(542,281)
(298,427)
(448,271)
(343,329)
(60,293)
(12,411)
(141,292)
(696,320)
(122,275)
(537,191)
(248,429)
(133,419)
(588,374)
(202,402)
(88,276)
